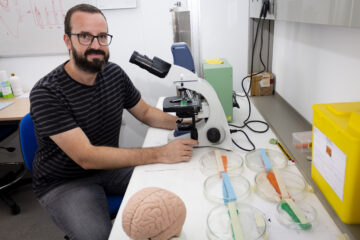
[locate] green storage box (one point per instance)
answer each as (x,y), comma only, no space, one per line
(220,76)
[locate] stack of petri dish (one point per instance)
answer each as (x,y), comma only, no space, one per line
(303,218)
(252,223)
(213,187)
(255,162)
(209,166)
(294,183)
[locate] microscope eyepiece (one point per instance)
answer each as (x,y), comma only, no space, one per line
(155,66)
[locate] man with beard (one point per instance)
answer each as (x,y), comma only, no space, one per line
(77,111)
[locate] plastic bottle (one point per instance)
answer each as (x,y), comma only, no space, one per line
(16,85)
(5,85)
(2,78)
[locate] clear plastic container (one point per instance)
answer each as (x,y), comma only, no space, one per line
(302,141)
(16,85)
(255,162)
(208,163)
(290,220)
(213,187)
(294,183)
(252,222)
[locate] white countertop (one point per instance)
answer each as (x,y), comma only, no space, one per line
(186,180)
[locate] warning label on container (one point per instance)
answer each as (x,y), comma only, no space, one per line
(330,161)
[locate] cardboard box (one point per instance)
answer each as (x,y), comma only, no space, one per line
(262,84)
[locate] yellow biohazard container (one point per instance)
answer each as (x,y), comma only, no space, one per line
(336,157)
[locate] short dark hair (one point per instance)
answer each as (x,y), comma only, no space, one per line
(79,8)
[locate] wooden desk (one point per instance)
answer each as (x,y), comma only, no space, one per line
(15,111)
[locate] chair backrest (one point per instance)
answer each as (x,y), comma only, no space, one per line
(28,141)
(182,56)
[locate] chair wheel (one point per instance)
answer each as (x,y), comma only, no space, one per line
(15,210)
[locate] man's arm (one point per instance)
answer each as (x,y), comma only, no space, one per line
(78,147)
(153,117)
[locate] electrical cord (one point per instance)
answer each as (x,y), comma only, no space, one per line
(252,57)
(235,103)
(238,130)
(264,9)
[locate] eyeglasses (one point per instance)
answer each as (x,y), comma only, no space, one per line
(86,39)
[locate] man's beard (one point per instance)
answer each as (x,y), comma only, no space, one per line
(95,66)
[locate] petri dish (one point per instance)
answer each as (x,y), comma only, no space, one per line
(252,222)
(294,183)
(213,187)
(291,220)
(208,163)
(255,162)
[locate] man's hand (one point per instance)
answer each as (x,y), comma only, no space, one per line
(177,151)
(77,146)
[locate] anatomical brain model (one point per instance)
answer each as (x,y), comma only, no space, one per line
(154,213)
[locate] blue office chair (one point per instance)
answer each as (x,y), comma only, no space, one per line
(29,146)
(182,56)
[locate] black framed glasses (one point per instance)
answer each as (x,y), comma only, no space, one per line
(86,39)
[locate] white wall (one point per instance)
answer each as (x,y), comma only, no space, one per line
(316,64)
(223,27)
(146,29)
(312,63)
(224,34)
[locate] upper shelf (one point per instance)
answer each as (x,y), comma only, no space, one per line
(328,12)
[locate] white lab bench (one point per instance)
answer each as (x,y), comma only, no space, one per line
(186,180)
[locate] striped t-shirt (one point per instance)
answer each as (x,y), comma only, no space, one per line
(59,103)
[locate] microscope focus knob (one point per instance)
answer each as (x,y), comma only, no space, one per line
(213,135)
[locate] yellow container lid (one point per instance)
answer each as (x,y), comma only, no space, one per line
(345,115)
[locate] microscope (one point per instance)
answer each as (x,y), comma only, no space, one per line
(196,100)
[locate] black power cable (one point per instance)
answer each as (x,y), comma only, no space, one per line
(253,51)
(264,9)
